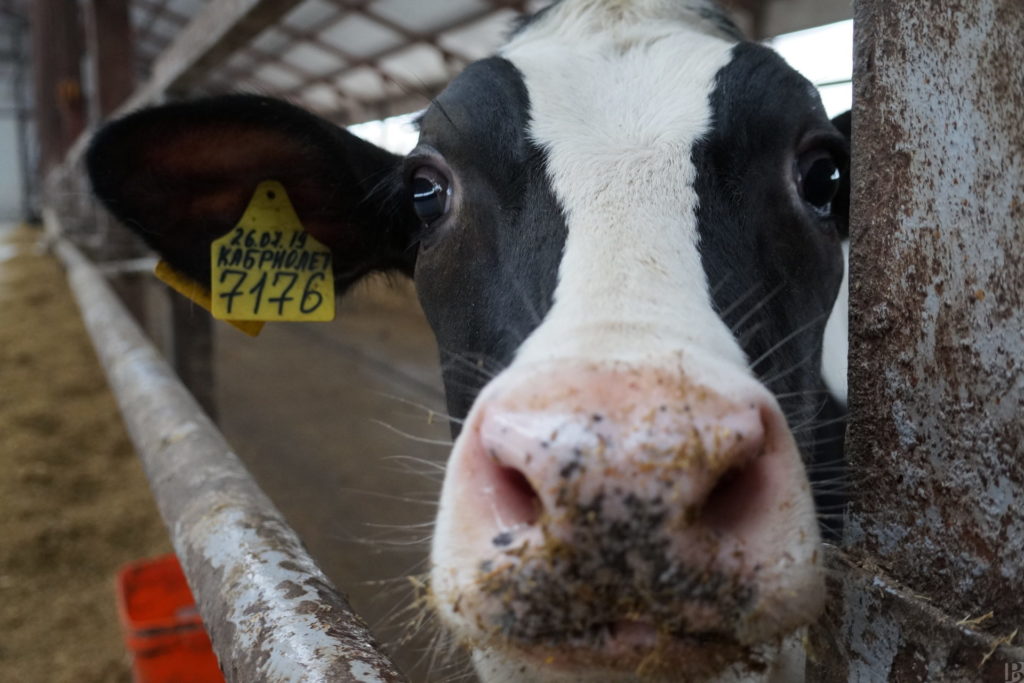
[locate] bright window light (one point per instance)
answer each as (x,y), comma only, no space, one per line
(397,134)
(825,56)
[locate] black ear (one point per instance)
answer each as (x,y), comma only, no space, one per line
(841,203)
(181,175)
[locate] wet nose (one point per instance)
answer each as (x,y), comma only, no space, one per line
(620,441)
(599,501)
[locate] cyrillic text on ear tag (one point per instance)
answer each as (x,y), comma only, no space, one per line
(268,267)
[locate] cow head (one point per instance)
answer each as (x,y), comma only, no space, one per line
(629,219)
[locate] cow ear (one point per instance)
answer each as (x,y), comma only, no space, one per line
(181,175)
(841,203)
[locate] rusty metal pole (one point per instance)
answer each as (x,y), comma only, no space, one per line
(271,613)
(931,580)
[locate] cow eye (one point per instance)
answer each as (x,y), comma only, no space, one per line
(431,194)
(817,178)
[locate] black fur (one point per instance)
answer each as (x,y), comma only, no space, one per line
(773,263)
(487,274)
(180,175)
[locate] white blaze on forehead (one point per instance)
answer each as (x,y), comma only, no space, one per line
(619,95)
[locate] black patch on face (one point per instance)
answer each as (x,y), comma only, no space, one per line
(774,265)
(486,274)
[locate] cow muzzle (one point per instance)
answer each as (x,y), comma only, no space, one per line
(626,518)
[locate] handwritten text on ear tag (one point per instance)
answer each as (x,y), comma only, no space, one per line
(268,267)
(190,289)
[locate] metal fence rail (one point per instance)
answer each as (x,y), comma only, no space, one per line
(271,613)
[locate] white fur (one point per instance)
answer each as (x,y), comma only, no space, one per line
(836,344)
(618,97)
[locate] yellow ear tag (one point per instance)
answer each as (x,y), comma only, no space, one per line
(190,289)
(269,267)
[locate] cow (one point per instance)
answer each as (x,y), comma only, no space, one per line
(634,218)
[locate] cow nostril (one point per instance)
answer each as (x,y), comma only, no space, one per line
(734,497)
(518,500)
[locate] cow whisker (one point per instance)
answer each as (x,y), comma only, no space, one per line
(812,425)
(754,309)
(789,337)
(431,412)
(782,374)
(821,442)
(416,615)
(380,543)
(447,443)
(825,468)
(737,302)
(806,411)
(420,525)
(389,496)
(409,610)
(721,283)
(478,366)
(805,392)
(418,467)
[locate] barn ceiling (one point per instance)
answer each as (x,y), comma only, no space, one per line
(354,60)
(349,60)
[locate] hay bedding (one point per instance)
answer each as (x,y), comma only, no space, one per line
(74,504)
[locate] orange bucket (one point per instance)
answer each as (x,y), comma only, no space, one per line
(162,628)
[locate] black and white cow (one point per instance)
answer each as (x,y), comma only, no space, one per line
(636,218)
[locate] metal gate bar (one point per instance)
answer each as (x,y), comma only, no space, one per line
(928,587)
(271,613)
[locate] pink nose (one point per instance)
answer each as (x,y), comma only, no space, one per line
(604,507)
(608,444)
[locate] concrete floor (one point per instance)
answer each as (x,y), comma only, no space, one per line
(303,404)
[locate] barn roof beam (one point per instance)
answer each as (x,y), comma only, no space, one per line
(264,55)
(369,60)
(157,9)
(227,79)
(217,31)
(338,17)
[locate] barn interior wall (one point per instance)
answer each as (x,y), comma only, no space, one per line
(17,134)
(10,171)
(785,16)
